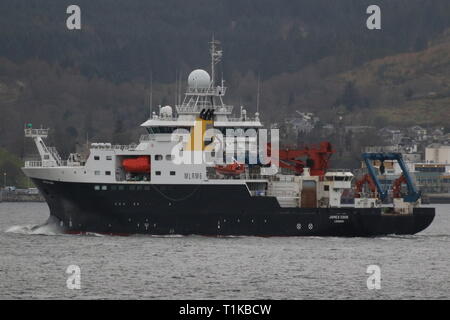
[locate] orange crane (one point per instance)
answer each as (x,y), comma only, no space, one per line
(366,179)
(317,158)
(397,186)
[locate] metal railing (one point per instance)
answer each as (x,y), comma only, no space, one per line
(254,119)
(29,132)
(51,163)
(217,91)
(146,137)
(193,108)
(108,146)
(33,164)
(243,176)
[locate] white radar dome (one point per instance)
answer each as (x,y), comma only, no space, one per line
(166,111)
(199,79)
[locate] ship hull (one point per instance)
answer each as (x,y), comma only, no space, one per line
(211,210)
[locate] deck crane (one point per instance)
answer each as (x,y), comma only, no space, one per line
(317,158)
(413,194)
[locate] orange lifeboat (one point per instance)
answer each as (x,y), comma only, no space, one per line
(137,165)
(233,169)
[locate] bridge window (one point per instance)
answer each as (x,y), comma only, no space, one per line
(154,130)
(96,157)
(158,157)
(108,173)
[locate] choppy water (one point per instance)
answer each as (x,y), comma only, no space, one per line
(34,259)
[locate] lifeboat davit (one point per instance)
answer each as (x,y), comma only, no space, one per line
(233,169)
(137,165)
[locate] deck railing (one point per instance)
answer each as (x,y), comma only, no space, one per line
(216,91)
(50,164)
(29,132)
(108,146)
(194,108)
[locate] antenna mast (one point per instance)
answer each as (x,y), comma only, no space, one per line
(257,95)
(216,56)
(151,93)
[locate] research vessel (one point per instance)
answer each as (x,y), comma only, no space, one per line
(182,178)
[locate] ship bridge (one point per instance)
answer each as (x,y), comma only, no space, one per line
(202,96)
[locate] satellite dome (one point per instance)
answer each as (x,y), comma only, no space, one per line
(199,79)
(166,111)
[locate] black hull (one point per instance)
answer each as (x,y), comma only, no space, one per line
(212,210)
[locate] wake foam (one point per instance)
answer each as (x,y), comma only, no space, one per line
(46,229)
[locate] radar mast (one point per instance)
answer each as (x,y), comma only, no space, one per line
(216,56)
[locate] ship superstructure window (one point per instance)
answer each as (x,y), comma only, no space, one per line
(104,188)
(97,188)
(158,157)
(430,168)
(108,157)
(96,157)
(158,173)
(97,172)
(108,173)
(154,130)
(172,173)
(169,157)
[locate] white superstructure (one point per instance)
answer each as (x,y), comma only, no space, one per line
(173,134)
